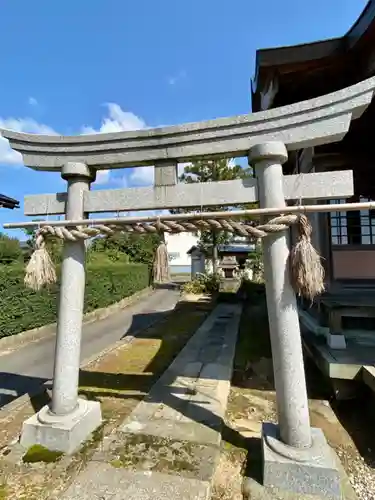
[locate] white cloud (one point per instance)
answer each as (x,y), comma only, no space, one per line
(172,80)
(102,176)
(117,120)
(142,176)
(121,181)
(26,125)
(231,163)
(7,155)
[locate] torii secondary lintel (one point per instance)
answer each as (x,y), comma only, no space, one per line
(324,186)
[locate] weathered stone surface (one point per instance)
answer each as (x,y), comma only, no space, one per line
(290,381)
(165,174)
(252,490)
(63,434)
(195,387)
(187,430)
(105,482)
(169,446)
(138,451)
(312,471)
(308,123)
(76,169)
(325,185)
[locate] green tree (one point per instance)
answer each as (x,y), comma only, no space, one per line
(126,246)
(256,262)
(10,250)
(211,171)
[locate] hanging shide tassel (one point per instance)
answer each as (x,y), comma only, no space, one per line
(40,270)
(307,272)
(161,264)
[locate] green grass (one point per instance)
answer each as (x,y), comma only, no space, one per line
(116,463)
(38,453)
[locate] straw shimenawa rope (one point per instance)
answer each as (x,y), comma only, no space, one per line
(307,272)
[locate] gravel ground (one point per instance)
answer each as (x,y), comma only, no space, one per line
(249,406)
(347,425)
(361,476)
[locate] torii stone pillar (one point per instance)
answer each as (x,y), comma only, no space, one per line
(295,457)
(290,383)
(68,420)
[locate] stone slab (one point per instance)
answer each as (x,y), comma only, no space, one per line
(189,431)
(169,446)
(195,388)
(253,490)
(137,451)
(312,471)
(345,364)
(336,341)
(325,185)
(104,482)
(63,434)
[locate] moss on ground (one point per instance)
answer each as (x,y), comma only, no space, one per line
(118,380)
(117,463)
(141,451)
(3,491)
(133,369)
(38,453)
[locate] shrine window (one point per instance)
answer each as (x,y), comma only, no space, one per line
(354,227)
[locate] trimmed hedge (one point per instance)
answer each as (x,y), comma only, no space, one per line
(106,283)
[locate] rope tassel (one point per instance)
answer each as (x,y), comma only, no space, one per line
(40,270)
(161,265)
(307,272)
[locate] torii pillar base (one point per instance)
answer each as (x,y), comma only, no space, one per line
(62,433)
(310,471)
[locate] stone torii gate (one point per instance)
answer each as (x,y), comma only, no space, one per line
(292,449)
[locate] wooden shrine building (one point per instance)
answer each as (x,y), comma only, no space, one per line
(345,314)
(7,202)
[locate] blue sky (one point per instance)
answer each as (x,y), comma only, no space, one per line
(93,65)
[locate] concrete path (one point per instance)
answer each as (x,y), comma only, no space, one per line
(170,445)
(24,370)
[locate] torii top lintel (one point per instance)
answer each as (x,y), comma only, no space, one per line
(308,123)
